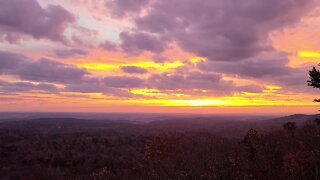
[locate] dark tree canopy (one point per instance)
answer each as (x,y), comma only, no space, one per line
(290,126)
(314,80)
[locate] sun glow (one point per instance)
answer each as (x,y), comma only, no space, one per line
(309,54)
(147,65)
(197,59)
(148,92)
(271,89)
(99,66)
(205,102)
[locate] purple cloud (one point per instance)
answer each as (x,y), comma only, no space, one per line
(221,30)
(123,82)
(109,46)
(42,70)
(59,53)
(269,68)
(18,87)
(187,83)
(90,85)
(261,66)
(98,86)
(250,88)
(123,8)
(9,61)
(190,80)
(159,58)
(50,71)
(27,17)
(133,70)
(137,42)
(84,88)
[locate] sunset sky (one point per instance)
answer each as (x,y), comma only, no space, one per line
(177,56)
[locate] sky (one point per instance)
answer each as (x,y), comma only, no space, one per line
(168,56)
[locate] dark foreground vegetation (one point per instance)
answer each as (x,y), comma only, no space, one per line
(176,149)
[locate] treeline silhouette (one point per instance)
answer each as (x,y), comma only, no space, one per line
(79,149)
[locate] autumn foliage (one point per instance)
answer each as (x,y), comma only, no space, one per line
(48,153)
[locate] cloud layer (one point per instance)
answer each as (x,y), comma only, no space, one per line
(27,17)
(18,87)
(220,30)
(43,70)
(156,49)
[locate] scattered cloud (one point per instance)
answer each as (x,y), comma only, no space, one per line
(125,8)
(20,87)
(257,67)
(153,45)
(43,70)
(220,30)
(134,70)
(109,46)
(123,82)
(27,17)
(69,53)
(137,42)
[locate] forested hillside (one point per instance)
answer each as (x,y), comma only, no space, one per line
(84,149)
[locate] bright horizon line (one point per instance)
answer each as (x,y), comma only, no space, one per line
(116,59)
(208,110)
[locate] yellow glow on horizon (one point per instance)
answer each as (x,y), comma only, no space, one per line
(309,54)
(236,101)
(197,59)
(162,66)
(99,66)
(147,92)
(204,102)
(153,98)
(271,89)
(148,64)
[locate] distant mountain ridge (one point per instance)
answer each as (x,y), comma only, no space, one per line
(227,126)
(297,118)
